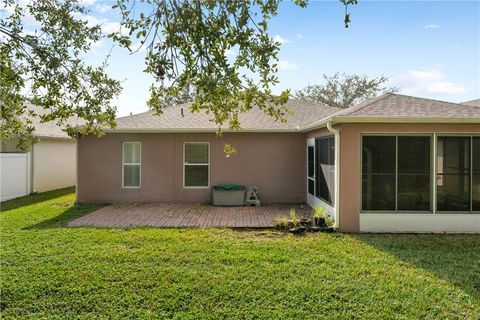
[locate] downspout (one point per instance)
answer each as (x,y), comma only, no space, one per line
(31,164)
(337,173)
(76,170)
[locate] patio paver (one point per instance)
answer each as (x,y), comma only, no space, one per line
(187,215)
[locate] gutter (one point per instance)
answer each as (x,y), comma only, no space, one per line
(355,119)
(337,173)
(199,130)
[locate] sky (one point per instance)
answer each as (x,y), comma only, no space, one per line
(428,49)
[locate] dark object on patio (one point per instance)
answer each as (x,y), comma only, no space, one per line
(319,222)
(228,195)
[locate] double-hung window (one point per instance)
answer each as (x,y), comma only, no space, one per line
(196,164)
(131,164)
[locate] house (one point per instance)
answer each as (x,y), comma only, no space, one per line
(392,164)
(49,163)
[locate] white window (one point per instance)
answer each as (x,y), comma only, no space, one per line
(196,164)
(131,164)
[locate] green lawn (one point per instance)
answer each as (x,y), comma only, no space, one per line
(51,271)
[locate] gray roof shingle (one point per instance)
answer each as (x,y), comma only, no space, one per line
(50,129)
(302,114)
(402,106)
(475,103)
(305,116)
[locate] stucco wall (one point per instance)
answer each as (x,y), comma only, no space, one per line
(274,162)
(53,164)
(350,197)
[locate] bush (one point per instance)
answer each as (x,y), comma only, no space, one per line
(288,223)
(321,218)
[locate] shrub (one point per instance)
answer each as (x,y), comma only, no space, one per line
(321,217)
(288,223)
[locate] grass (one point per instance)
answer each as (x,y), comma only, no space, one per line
(51,271)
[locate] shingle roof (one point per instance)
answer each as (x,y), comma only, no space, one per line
(402,106)
(475,103)
(302,114)
(49,129)
(308,116)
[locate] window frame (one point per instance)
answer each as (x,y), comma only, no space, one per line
(433,167)
(317,188)
(139,164)
(464,135)
(432,159)
(196,164)
(472,171)
(312,177)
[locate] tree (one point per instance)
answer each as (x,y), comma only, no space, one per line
(187,94)
(187,44)
(45,66)
(344,91)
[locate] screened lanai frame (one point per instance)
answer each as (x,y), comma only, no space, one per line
(433,171)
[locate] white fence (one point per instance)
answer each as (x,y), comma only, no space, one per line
(13,175)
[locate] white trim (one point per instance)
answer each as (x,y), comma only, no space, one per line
(434,175)
(47,137)
(420,223)
(124,163)
(196,164)
(322,123)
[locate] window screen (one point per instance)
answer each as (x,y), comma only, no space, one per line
(378,172)
(311,162)
(476,173)
(325,168)
(453,173)
(414,173)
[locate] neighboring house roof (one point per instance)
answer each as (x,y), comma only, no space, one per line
(171,119)
(307,116)
(50,129)
(475,103)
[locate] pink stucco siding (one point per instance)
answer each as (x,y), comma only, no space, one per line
(274,162)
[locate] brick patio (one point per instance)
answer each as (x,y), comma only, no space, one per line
(186,215)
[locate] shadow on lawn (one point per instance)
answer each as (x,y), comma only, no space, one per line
(453,258)
(34,199)
(61,220)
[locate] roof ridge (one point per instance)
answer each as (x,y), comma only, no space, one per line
(422,98)
(348,111)
(134,115)
(183,104)
(313,103)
